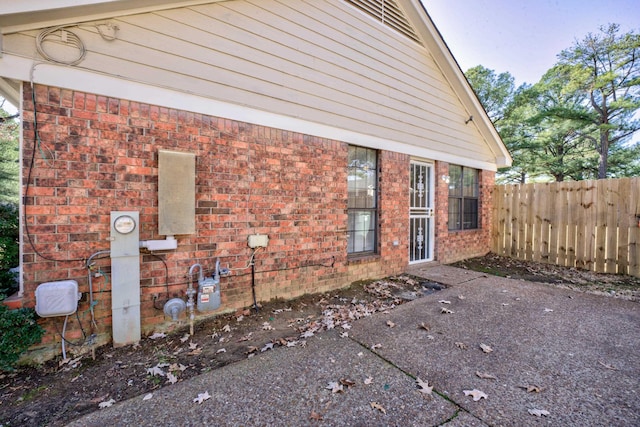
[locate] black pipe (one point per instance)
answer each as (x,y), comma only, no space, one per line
(253,281)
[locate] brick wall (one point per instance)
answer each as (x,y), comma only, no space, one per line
(97,154)
(452,246)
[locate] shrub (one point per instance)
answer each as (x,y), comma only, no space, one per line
(9,249)
(18,331)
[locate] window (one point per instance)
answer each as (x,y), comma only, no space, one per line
(362,205)
(463,198)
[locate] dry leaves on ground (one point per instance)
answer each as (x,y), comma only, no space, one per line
(485,376)
(538,412)
(379,407)
(423,386)
(202,397)
(475,394)
(485,348)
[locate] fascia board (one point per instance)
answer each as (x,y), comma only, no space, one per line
(452,72)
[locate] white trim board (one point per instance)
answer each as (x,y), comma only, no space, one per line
(19,68)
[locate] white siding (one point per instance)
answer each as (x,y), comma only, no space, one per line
(319,60)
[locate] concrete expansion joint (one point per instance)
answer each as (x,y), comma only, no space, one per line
(459,408)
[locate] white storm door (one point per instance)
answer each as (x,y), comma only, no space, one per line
(421,220)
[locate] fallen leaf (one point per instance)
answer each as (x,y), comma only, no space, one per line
(613,368)
(171,379)
(461,345)
(344,335)
(368,380)
(315,416)
(375,346)
(347,382)
(226,328)
(531,388)
(185,338)
(475,394)
(443,301)
(461,297)
(177,367)
(430,337)
(485,376)
(251,349)
(99,398)
(346,326)
(193,346)
(538,412)
(266,326)
(335,387)
(202,397)
(240,318)
(307,334)
(485,348)
(548,310)
(147,396)
(157,335)
(423,386)
(379,407)
(106,404)
(424,326)
(246,337)
(155,371)
(222,350)
(446,311)
(195,352)
(390,324)
(267,346)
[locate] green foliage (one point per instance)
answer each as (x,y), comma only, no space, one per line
(9,156)
(605,68)
(18,331)
(9,248)
(577,121)
(494,91)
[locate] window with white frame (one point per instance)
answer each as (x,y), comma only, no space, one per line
(362,206)
(463,198)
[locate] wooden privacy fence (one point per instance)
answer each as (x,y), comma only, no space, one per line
(592,225)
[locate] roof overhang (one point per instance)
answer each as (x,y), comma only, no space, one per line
(450,68)
(33,14)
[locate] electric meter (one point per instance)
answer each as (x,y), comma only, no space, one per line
(124,224)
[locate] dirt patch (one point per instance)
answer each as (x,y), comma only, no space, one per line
(614,285)
(57,392)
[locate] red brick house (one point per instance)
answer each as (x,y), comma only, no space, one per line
(343,130)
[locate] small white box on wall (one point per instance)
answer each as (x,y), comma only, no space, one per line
(57,298)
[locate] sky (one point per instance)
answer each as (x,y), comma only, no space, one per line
(523,37)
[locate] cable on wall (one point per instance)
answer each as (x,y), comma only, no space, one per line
(63,35)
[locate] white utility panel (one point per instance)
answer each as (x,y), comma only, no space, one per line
(57,298)
(258,241)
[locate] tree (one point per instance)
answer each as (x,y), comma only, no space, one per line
(562,146)
(509,110)
(9,155)
(606,68)
(495,92)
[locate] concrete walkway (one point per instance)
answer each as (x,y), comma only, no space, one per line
(573,355)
